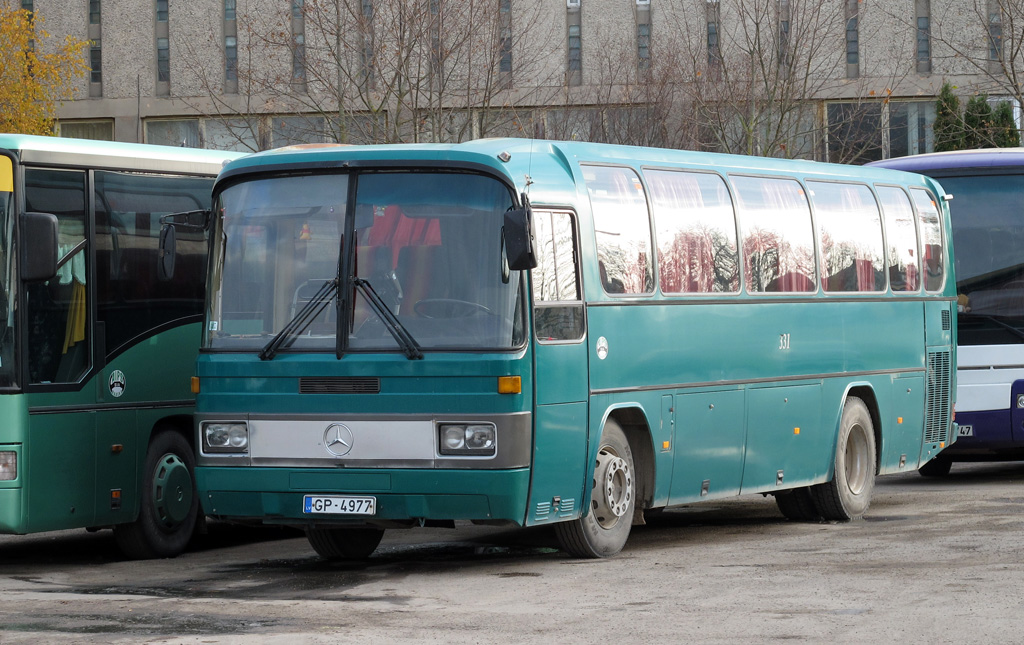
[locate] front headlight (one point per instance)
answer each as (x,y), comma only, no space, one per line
(225,437)
(8,465)
(467,439)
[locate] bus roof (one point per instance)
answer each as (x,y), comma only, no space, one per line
(542,163)
(957,159)
(114,155)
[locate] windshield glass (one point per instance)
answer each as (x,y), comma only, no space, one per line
(988,236)
(427,247)
(7,289)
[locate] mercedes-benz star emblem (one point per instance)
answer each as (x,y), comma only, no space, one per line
(338,439)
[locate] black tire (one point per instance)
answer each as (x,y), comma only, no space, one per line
(168,502)
(603,530)
(848,495)
(938,467)
(798,505)
(343,543)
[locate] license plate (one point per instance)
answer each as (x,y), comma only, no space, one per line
(339,505)
(965,431)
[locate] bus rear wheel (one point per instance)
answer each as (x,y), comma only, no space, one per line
(602,531)
(848,495)
(168,504)
(344,543)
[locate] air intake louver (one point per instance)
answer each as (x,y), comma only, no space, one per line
(339,385)
(937,398)
(946,320)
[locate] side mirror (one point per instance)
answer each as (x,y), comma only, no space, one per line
(38,247)
(518,236)
(166,254)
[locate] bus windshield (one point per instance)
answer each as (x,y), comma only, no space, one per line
(988,234)
(426,246)
(7,290)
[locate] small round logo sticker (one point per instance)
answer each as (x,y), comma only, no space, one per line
(116,383)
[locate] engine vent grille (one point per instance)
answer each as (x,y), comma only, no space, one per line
(339,385)
(947,320)
(937,398)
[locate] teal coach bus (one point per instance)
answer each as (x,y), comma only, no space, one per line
(521,333)
(97,346)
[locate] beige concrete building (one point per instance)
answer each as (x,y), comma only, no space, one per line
(841,80)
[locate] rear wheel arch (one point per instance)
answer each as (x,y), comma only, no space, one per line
(635,425)
(866,394)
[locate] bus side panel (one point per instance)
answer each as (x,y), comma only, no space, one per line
(786,437)
(61,471)
(903,427)
(117,448)
(13,438)
(708,445)
(559,462)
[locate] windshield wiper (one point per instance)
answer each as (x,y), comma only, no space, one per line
(409,346)
(313,307)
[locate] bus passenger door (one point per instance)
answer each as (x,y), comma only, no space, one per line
(62,451)
(560,372)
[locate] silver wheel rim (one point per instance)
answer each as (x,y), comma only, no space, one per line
(856,460)
(613,488)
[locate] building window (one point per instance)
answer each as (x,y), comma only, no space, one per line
(505,25)
(712,19)
(369,77)
(643,46)
(574,43)
(181,132)
(297,8)
(161,10)
(94,12)
(229,9)
(231,58)
(995,35)
(163,60)
(862,132)
(852,39)
(924,36)
(784,19)
(299,57)
(26,5)
(95,130)
(95,62)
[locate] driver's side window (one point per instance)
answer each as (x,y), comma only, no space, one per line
(558,305)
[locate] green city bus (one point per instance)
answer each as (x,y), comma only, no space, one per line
(97,345)
(517,332)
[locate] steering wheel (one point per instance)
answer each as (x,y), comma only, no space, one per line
(456,308)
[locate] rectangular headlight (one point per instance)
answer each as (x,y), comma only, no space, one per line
(225,437)
(467,439)
(8,465)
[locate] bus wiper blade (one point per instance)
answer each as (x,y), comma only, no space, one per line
(402,336)
(302,319)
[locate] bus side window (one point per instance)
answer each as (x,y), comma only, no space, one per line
(778,244)
(130,300)
(850,236)
(696,232)
(901,239)
(558,307)
(931,239)
(622,227)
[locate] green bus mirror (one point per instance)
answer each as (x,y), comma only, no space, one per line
(38,247)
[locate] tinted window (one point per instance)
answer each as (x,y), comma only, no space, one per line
(696,232)
(778,246)
(901,252)
(623,230)
(558,310)
(850,236)
(931,239)
(130,298)
(58,309)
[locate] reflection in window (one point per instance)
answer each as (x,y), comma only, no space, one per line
(850,235)
(623,231)
(696,232)
(901,235)
(931,239)
(778,246)
(558,313)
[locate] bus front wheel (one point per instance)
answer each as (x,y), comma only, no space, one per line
(344,543)
(603,530)
(848,495)
(168,504)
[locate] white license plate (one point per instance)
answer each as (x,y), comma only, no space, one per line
(339,505)
(965,431)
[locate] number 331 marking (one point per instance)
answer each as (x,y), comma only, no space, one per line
(784,341)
